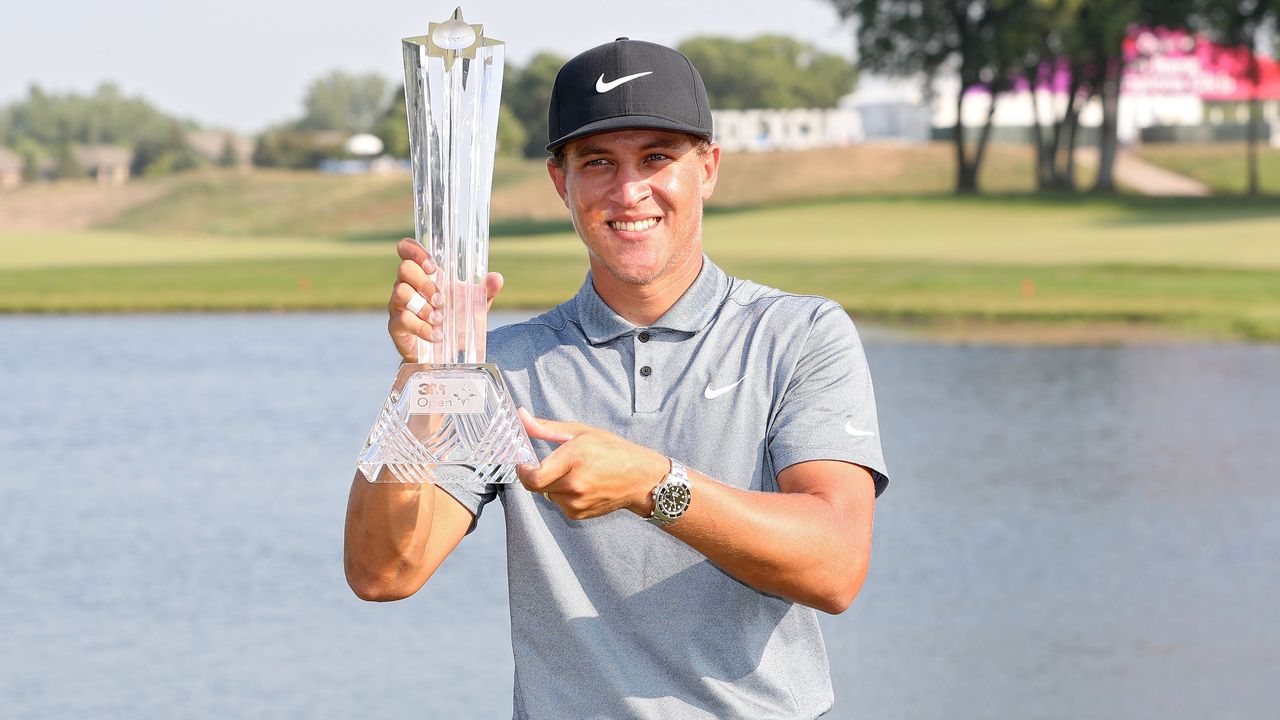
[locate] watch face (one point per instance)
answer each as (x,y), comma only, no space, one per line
(673,500)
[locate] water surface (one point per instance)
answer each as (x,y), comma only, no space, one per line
(1069,532)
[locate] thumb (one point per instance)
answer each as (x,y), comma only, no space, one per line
(549,430)
(493,283)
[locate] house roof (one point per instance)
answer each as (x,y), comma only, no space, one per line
(209,144)
(92,157)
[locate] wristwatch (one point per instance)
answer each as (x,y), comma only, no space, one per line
(671,496)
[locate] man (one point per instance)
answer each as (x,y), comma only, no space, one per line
(746,411)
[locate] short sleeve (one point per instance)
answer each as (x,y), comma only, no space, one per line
(827,410)
(463,485)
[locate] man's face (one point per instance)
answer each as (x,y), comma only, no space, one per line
(636,197)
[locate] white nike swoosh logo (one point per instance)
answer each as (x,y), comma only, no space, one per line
(710,394)
(855,432)
(604,87)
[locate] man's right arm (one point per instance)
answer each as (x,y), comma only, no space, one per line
(397,535)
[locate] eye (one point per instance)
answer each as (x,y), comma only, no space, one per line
(595,162)
(657,157)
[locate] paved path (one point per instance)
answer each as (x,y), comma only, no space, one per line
(1144,178)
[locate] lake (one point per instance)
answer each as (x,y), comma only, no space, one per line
(1068,532)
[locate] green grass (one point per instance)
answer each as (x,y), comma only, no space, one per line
(1222,167)
(1210,302)
(1209,268)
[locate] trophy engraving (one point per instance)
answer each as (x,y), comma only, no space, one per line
(449,417)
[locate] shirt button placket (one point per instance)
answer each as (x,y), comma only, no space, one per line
(647,394)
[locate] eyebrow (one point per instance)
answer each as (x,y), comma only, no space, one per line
(591,150)
(673,144)
(667,144)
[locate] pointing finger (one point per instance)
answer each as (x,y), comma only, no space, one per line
(549,430)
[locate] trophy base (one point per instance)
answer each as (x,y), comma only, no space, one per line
(446,424)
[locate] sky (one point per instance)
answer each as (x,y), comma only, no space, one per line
(244,65)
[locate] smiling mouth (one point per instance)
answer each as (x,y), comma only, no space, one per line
(638,226)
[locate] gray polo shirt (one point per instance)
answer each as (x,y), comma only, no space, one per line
(612,617)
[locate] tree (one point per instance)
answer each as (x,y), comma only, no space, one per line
(928,37)
(105,117)
(1102,27)
(47,125)
(344,101)
(1237,24)
(1047,65)
(512,139)
(393,128)
(285,147)
(230,156)
(67,167)
(158,156)
(1080,51)
(770,71)
(527,92)
(32,153)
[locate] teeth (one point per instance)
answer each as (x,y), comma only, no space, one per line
(634,226)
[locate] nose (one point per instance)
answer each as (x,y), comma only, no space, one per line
(632,188)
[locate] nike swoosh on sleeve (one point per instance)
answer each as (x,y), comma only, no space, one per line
(849,428)
(604,87)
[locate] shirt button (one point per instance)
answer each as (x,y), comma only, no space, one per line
(644,337)
(646,371)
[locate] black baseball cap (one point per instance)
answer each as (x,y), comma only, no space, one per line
(627,85)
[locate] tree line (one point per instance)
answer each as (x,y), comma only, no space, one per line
(994,44)
(769,71)
(43,128)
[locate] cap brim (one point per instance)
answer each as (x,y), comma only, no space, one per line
(630,122)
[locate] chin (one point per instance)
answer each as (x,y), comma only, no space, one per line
(635,268)
(635,274)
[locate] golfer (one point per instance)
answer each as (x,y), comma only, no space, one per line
(709,448)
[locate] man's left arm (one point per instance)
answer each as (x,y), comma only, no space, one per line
(810,542)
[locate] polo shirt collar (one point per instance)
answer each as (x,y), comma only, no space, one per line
(691,313)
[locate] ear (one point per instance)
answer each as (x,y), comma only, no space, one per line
(710,171)
(558,178)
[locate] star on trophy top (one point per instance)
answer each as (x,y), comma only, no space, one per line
(455,38)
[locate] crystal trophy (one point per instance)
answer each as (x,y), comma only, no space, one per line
(449,416)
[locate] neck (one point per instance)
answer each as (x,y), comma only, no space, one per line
(642,305)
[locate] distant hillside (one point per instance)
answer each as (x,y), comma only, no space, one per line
(308,204)
(73,204)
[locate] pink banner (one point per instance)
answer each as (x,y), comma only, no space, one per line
(1171,62)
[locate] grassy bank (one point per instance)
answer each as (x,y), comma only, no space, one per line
(1221,166)
(1206,268)
(1220,303)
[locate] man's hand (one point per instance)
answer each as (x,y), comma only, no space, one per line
(593,472)
(414,278)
